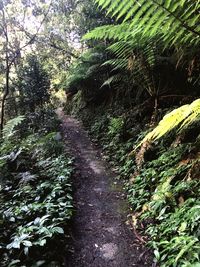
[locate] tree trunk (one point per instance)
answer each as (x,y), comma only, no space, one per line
(7,74)
(155,113)
(4,98)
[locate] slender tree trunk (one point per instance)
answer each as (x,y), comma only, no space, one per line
(155,112)
(7,74)
(6,93)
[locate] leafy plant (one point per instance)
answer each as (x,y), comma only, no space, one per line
(116,126)
(36,199)
(162,193)
(8,130)
(34,87)
(170,25)
(152,16)
(182,117)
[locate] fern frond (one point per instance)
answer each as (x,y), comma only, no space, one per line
(182,117)
(178,20)
(113,79)
(110,32)
(8,130)
(126,41)
(117,63)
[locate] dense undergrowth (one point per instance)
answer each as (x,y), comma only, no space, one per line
(35,193)
(161,180)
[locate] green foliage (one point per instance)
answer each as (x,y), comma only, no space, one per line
(36,200)
(35,85)
(111,32)
(99,127)
(176,245)
(8,130)
(148,34)
(182,117)
(42,121)
(50,145)
(46,206)
(132,54)
(164,193)
(86,71)
(127,42)
(115,126)
(177,20)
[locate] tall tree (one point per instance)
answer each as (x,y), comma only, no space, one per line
(34,84)
(17,33)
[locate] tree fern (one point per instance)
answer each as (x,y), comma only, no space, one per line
(8,130)
(177,19)
(131,53)
(171,23)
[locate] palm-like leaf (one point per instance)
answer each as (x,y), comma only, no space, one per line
(115,32)
(171,22)
(8,130)
(174,22)
(182,117)
(178,20)
(132,53)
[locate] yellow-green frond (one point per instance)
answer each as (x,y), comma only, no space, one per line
(181,117)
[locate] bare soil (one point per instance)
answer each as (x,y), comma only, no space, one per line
(100,234)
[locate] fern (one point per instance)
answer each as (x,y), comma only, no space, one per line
(163,23)
(126,40)
(115,32)
(131,53)
(8,130)
(178,20)
(182,117)
(113,79)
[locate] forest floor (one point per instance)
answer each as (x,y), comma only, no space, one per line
(100,235)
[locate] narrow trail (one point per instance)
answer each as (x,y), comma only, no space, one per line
(100,236)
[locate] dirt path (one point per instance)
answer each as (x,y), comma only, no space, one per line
(100,236)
